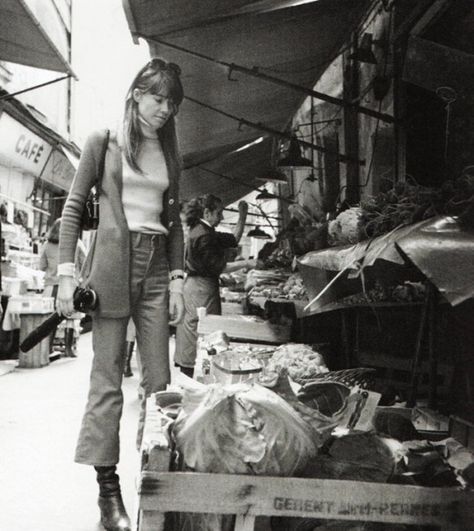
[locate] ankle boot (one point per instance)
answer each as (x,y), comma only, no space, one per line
(113,515)
(127,370)
(69,343)
(188,371)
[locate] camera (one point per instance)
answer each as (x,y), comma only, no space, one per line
(85,299)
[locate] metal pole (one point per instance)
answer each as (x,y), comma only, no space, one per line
(274,132)
(255,72)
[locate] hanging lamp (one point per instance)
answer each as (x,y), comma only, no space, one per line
(294,158)
(364,53)
(265,195)
(258,233)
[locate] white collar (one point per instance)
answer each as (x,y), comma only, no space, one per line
(206,223)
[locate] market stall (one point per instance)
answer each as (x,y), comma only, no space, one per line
(378,468)
(26,304)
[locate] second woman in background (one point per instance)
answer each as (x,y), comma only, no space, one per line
(207,256)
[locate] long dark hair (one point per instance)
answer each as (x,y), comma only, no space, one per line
(194,209)
(155,77)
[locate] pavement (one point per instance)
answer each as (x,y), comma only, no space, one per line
(41,488)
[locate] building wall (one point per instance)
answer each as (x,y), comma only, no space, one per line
(36,189)
(332,127)
(51,103)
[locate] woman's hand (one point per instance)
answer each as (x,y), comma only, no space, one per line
(243,209)
(176,308)
(254,263)
(64,299)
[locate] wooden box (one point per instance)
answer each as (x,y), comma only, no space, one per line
(245,327)
(160,491)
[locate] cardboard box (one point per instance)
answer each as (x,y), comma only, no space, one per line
(31,304)
(426,419)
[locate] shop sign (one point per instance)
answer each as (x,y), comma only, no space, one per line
(59,170)
(21,147)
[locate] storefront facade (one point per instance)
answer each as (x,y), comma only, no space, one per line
(35,171)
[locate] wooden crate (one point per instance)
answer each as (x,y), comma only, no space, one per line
(245,327)
(161,491)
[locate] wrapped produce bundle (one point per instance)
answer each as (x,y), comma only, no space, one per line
(242,429)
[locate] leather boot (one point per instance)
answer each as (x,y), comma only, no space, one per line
(188,371)
(69,343)
(113,515)
(127,370)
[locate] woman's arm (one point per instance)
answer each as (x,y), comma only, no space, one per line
(84,180)
(240,225)
(251,263)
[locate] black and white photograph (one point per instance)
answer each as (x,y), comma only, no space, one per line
(237,265)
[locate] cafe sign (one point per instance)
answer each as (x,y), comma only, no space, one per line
(21,148)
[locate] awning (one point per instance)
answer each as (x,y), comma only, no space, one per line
(24,41)
(292,40)
(438,247)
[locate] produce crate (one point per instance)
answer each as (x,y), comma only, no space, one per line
(246,327)
(161,491)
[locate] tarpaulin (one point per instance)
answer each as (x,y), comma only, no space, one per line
(438,247)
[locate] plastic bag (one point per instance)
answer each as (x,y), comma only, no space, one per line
(242,429)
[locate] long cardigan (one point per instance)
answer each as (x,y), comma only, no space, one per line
(107,267)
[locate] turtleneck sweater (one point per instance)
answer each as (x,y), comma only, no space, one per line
(142,193)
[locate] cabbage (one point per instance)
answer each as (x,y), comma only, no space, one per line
(242,429)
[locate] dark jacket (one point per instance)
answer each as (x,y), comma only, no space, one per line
(206,251)
(107,267)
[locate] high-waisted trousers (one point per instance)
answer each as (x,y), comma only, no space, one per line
(98,442)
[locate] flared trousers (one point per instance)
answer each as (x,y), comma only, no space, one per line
(98,442)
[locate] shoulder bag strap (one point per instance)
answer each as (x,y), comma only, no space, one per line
(100,173)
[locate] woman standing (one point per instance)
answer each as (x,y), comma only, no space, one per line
(207,255)
(135,265)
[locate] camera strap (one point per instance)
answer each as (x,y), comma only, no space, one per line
(100,172)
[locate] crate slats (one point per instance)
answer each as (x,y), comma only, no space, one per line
(325,499)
